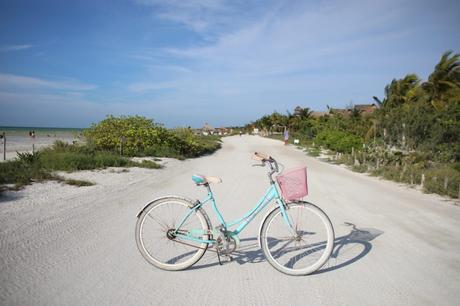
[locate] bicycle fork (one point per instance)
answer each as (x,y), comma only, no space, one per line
(284,208)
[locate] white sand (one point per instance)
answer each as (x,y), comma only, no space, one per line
(23,144)
(63,245)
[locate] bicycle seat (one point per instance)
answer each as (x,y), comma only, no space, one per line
(200,179)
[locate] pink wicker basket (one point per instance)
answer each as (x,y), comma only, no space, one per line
(293,183)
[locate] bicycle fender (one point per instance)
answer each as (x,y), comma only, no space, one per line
(162,198)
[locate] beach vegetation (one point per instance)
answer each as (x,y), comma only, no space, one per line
(74,182)
(42,165)
(139,136)
(109,143)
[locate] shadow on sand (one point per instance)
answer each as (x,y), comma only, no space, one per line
(7,196)
(347,250)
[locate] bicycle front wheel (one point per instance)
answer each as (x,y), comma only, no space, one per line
(155,236)
(303,248)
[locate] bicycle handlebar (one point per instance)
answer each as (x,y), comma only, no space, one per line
(260,156)
(264,158)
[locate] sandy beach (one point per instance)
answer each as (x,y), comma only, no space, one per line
(21,142)
(66,245)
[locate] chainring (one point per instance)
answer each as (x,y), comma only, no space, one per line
(228,244)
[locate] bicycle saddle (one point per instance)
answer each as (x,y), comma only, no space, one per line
(200,179)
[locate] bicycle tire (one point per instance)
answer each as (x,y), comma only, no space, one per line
(324,242)
(142,241)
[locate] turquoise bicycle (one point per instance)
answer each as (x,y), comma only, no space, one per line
(296,237)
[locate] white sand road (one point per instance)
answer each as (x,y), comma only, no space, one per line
(63,245)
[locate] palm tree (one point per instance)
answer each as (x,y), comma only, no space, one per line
(400,91)
(264,122)
(445,77)
(305,113)
(278,119)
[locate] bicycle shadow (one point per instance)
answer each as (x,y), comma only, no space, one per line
(347,250)
(8,195)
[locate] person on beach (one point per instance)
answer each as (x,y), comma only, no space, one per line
(33,134)
(286,136)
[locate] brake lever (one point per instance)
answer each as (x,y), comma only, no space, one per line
(259,165)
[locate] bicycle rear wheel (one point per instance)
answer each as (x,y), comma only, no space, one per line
(155,237)
(303,249)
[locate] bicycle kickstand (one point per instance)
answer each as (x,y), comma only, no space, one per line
(218,257)
(229,258)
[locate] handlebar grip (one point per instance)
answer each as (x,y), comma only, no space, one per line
(260,156)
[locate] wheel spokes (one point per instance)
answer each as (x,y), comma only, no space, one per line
(157,233)
(302,249)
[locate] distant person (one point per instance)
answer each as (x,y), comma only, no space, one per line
(286,136)
(33,134)
(241,133)
(30,133)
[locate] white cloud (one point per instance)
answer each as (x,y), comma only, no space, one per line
(287,40)
(287,54)
(297,39)
(9,81)
(14,48)
(202,16)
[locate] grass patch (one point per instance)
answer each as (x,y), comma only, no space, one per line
(40,166)
(360,168)
(145,164)
(79,183)
(123,170)
(443,180)
(313,151)
(440,178)
(22,171)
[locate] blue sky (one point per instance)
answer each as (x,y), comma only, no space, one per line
(71,63)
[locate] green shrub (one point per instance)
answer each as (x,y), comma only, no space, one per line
(338,140)
(142,137)
(137,132)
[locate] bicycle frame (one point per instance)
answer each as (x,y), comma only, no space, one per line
(270,194)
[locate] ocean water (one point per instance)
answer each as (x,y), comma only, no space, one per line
(23,131)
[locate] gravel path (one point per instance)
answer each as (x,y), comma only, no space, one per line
(63,245)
